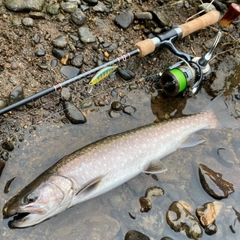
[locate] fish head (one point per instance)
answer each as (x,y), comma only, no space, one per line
(39,201)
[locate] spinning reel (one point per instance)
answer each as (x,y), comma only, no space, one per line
(189,73)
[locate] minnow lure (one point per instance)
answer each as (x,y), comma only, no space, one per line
(103,73)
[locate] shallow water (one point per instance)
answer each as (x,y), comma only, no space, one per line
(111,215)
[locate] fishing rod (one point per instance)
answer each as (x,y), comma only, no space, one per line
(142,49)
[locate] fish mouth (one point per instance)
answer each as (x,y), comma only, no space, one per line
(17,219)
(24,218)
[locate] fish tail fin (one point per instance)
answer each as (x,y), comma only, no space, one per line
(224,112)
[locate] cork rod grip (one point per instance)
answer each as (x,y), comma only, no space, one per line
(199,23)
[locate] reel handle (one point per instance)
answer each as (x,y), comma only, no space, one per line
(148,46)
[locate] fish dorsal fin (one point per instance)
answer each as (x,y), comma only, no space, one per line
(90,185)
(156,166)
(191,141)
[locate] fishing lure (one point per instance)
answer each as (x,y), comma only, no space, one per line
(103,73)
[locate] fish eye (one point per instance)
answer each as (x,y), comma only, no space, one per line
(32,197)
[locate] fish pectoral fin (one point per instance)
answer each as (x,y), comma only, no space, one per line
(90,185)
(192,141)
(155,167)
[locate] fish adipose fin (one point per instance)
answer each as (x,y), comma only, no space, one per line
(155,167)
(192,141)
(90,185)
(225,113)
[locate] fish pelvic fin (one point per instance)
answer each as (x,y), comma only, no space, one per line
(224,112)
(155,167)
(192,141)
(90,185)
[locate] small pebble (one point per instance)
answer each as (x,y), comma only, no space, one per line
(28,22)
(117,106)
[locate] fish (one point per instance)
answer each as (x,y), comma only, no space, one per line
(106,164)
(101,74)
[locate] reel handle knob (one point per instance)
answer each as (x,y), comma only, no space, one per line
(232,13)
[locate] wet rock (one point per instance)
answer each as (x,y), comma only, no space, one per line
(28,22)
(91,2)
(100,7)
(208,212)
(226,156)
(59,53)
(66,94)
(211,229)
(130,110)
(24,5)
(16,95)
(36,38)
(3,103)
(143,15)
(117,106)
(181,220)
(73,114)
(78,17)
(84,7)
(5,155)
(2,165)
(114,93)
(235,226)
(54,63)
(161,18)
(85,35)
(69,72)
(7,186)
(77,61)
(53,9)
(40,52)
(150,195)
(124,19)
(59,42)
(114,114)
(213,183)
(69,7)
(135,235)
(37,15)
(207,215)
(7,145)
(126,74)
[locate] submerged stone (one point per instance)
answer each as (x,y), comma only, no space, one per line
(2,165)
(135,235)
(150,195)
(117,106)
(24,5)
(7,145)
(213,183)
(73,114)
(130,110)
(181,220)
(208,212)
